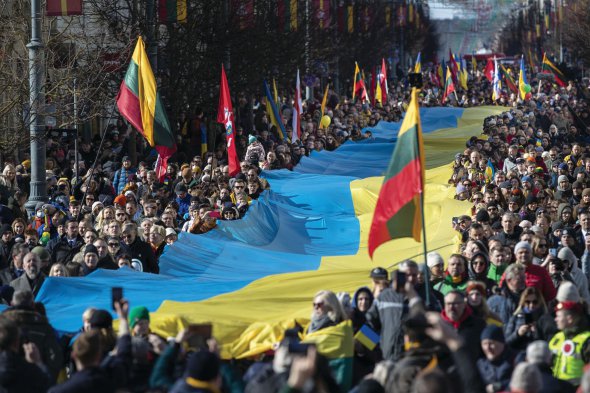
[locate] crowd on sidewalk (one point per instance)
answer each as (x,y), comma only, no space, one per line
(508,311)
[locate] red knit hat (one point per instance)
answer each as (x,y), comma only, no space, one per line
(121,200)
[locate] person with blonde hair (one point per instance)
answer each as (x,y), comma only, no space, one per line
(8,178)
(327,311)
(58,270)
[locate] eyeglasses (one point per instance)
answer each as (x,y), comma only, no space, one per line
(318,305)
(120,214)
(533,302)
(542,245)
(114,245)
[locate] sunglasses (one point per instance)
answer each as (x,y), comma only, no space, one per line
(114,245)
(318,305)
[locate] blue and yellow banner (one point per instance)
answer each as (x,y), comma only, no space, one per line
(273,111)
(253,278)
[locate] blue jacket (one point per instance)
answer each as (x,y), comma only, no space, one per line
(497,372)
(120,179)
(183,204)
(504,305)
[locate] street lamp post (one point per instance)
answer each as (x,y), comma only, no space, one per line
(36,102)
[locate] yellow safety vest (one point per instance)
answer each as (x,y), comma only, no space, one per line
(568,364)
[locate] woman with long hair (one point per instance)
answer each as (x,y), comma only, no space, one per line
(8,178)
(522,327)
(476,298)
(327,311)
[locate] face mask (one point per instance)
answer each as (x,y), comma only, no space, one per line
(40,214)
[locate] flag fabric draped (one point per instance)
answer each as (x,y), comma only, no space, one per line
(336,343)
(170,11)
(139,102)
(463,76)
(359,84)
(418,65)
(490,171)
(510,83)
(489,70)
(204,139)
(225,116)
(449,86)
(273,112)
(63,7)
(550,68)
(297,110)
(398,212)
(522,80)
(473,64)
(496,84)
(287,15)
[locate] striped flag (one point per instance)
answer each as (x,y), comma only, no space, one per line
(418,65)
(139,102)
(522,81)
(368,337)
(170,11)
(225,116)
(550,68)
(297,110)
(449,86)
(510,83)
(287,15)
(383,82)
(273,112)
(490,171)
(399,212)
(359,84)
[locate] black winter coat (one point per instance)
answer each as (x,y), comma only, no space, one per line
(19,376)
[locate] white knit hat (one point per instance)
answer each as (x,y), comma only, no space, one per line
(568,292)
(566,254)
(433,258)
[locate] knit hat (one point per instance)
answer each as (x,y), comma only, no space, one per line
(478,286)
(170,232)
(562,178)
(203,365)
(530,199)
(101,319)
(492,332)
(90,249)
(180,187)
(41,252)
(568,292)
(482,216)
(4,229)
(96,204)
(137,314)
(251,139)
(379,273)
(120,200)
(526,179)
(538,353)
(522,244)
(433,259)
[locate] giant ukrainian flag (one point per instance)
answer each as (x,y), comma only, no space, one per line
(139,102)
(255,277)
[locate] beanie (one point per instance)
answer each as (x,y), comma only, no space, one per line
(251,139)
(136,314)
(433,259)
(4,229)
(522,244)
(120,200)
(478,286)
(90,249)
(567,292)
(482,216)
(526,378)
(562,178)
(203,365)
(492,332)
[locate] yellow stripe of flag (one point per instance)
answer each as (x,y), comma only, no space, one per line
(146,83)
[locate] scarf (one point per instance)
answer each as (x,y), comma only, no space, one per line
(468,311)
(320,322)
(198,384)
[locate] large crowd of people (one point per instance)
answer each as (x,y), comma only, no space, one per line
(508,311)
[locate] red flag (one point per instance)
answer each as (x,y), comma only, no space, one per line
(489,70)
(225,116)
(322,13)
(161,168)
(383,82)
(63,7)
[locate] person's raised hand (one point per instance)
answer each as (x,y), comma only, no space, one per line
(442,331)
(32,354)
(302,369)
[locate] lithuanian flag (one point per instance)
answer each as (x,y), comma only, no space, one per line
(170,11)
(139,102)
(398,212)
(510,83)
(550,68)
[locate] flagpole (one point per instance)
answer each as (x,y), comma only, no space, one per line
(424,245)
